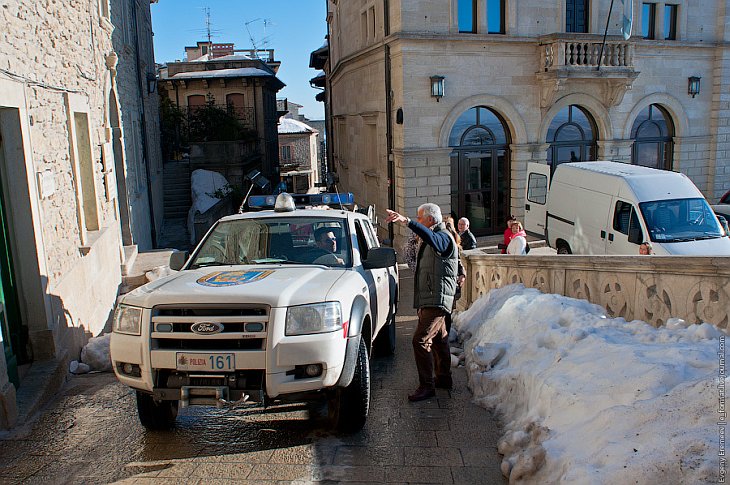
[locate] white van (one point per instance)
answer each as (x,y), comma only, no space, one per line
(610,208)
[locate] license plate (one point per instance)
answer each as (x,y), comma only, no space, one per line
(206,362)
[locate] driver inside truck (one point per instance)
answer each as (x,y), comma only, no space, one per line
(325,239)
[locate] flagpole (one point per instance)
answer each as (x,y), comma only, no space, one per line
(605,33)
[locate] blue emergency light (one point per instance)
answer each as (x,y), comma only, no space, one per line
(304,200)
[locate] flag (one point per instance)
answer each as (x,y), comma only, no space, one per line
(628,18)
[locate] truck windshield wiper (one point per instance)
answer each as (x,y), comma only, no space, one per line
(275,261)
(209,263)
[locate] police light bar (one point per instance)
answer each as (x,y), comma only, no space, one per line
(304,200)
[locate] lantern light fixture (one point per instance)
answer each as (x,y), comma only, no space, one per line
(437,87)
(693,86)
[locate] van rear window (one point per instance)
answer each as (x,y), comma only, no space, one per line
(537,188)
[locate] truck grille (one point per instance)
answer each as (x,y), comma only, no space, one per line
(240,327)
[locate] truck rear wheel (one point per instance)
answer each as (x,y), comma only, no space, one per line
(156,415)
(348,407)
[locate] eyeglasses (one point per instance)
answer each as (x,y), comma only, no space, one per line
(330,239)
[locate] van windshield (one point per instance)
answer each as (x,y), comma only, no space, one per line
(680,220)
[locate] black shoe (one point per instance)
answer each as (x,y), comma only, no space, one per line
(422,393)
(444,382)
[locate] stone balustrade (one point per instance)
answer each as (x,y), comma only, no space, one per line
(561,53)
(648,288)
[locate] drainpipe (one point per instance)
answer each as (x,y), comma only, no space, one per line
(388,116)
(145,142)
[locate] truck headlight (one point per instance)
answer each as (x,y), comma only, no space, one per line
(317,318)
(128,319)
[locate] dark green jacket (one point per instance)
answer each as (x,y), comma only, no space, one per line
(435,280)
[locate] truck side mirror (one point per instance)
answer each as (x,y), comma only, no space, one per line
(177,259)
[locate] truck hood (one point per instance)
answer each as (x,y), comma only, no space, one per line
(719,246)
(276,286)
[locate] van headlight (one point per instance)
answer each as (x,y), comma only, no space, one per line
(317,318)
(128,319)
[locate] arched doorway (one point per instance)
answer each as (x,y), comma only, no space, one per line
(652,132)
(480,172)
(572,137)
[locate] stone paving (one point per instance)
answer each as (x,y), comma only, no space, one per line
(91,435)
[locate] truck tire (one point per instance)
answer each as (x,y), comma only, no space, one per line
(385,343)
(348,407)
(563,248)
(156,415)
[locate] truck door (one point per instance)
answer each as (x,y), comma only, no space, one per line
(536,197)
(624,232)
(378,279)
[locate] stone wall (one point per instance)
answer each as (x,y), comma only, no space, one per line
(58,173)
(648,288)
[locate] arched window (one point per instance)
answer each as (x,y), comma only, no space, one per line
(480,175)
(652,132)
(572,137)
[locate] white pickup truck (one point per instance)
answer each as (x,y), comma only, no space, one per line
(262,313)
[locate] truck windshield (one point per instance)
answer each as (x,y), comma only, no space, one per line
(680,220)
(276,240)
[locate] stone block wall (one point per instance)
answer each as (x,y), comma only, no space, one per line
(648,288)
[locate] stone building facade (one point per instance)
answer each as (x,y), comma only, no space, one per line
(61,245)
(240,82)
(520,82)
(137,150)
(298,162)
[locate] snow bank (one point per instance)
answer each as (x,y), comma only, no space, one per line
(96,353)
(591,399)
(203,184)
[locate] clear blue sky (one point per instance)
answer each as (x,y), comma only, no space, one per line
(294,28)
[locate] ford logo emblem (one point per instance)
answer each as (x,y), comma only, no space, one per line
(206,328)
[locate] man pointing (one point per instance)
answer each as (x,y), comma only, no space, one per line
(433,297)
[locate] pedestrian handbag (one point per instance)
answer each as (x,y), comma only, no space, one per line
(527,248)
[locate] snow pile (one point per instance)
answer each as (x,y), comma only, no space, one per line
(591,399)
(96,353)
(203,185)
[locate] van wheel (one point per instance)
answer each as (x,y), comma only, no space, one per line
(348,407)
(156,415)
(563,248)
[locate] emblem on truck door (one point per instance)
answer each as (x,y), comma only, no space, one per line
(206,328)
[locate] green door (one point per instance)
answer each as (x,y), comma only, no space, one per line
(9,314)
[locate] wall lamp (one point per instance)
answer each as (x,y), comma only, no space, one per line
(437,87)
(151,83)
(693,86)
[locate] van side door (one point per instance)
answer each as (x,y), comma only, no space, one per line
(624,232)
(536,198)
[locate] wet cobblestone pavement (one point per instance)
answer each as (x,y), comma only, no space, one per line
(91,434)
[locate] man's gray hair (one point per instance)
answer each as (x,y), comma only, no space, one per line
(465,221)
(430,209)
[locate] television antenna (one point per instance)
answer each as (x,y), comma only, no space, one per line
(264,41)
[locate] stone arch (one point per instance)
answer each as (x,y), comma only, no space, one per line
(509,114)
(666,101)
(592,105)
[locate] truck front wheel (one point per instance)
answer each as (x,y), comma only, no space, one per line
(155,415)
(348,407)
